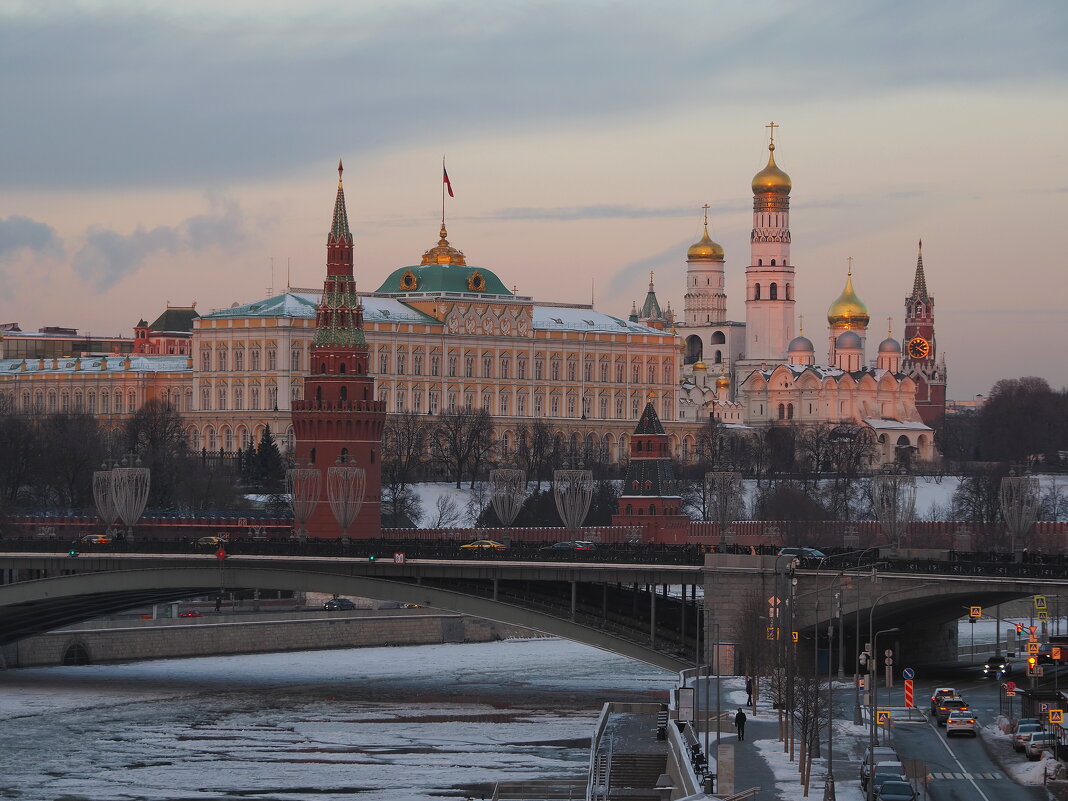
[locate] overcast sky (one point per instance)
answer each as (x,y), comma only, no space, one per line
(157,152)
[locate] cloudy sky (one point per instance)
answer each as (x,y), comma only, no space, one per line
(157,152)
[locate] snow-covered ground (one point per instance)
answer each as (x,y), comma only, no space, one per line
(380,724)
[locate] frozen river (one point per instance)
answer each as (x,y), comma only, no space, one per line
(426,722)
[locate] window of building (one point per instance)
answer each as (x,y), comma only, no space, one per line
(383,362)
(254,398)
(619,408)
(587,371)
(205,399)
(554,370)
(505,367)
(221,359)
(229,440)
(773,290)
(469,366)
(402,365)
(239,398)
(272,359)
(539,369)
(272,398)
(539,405)
(417,364)
(789,411)
(604,408)
(604,372)
(503,403)
(400,401)
(619,373)
(570,371)
(521,368)
(205,361)
(239,358)
(487,366)
(469,400)
(452,402)
(554,406)
(221,397)
(435,401)
(254,359)
(521,404)
(452,366)
(294,360)
(435,365)
(586,404)
(64,403)
(417,401)
(756,292)
(651,372)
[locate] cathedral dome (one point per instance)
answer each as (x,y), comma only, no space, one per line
(848,311)
(771,180)
(889,345)
(700,366)
(723,382)
(848,340)
(705,249)
(801,344)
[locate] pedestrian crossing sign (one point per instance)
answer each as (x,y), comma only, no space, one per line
(1043,615)
(1056,716)
(882,717)
(976,611)
(1040,602)
(771,633)
(1032,647)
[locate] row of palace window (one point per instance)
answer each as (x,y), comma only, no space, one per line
(54,402)
(228,440)
(773,290)
(556,372)
(234,397)
(223,362)
(569,406)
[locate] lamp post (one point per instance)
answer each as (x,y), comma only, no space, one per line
(129,489)
(508,490)
(874,709)
(573,491)
(303,484)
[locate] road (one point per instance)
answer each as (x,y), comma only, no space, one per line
(964,768)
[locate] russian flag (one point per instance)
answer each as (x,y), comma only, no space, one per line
(445,178)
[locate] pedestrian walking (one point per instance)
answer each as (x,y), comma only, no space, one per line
(749,691)
(218,603)
(739,723)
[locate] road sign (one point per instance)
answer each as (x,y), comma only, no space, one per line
(1044,708)
(882,717)
(908,673)
(1040,602)
(1035,670)
(1055,653)
(1010,693)
(794,636)
(908,693)
(771,632)
(1010,686)
(976,611)
(773,600)
(1033,647)
(1033,630)
(1056,716)
(1043,615)
(398,558)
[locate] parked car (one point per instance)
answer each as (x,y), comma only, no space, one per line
(894,772)
(1027,721)
(939,694)
(209,542)
(882,754)
(339,605)
(996,667)
(568,545)
(802,553)
(1023,733)
(947,706)
(892,790)
(1038,742)
(483,545)
(190,613)
(962,723)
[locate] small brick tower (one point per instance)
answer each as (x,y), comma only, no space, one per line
(650,493)
(339,419)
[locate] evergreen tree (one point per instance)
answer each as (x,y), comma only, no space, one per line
(271,468)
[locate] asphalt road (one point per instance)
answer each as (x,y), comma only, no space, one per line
(964,768)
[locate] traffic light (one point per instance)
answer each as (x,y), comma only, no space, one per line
(371,558)
(220,554)
(1019,629)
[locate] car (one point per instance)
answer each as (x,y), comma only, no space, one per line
(483,545)
(939,694)
(1037,742)
(962,723)
(891,775)
(893,790)
(190,613)
(947,706)
(1023,734)
(802,553)
(209,542)
(996,667)
(339,605)
(569,545)
(1027,721)
(94,539)
(881,753)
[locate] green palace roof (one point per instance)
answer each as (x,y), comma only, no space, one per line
(442,278)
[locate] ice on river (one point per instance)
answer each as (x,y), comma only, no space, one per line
(375,724)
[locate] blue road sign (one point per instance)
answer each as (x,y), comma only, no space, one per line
(908,673)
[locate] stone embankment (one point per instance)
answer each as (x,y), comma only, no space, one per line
(132,640)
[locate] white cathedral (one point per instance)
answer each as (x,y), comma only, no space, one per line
(763,372)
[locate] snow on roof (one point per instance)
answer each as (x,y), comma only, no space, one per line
(562,318)
(896,425)
(86,364)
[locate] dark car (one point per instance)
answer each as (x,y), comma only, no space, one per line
(802,553)
(896,791)
(948,705)
(568,545)
(339,605)
(996,667)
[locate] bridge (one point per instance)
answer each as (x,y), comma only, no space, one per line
(651,613)
(629,601)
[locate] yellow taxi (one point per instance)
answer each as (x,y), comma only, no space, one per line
(94,539)
(483,545)
(210,542)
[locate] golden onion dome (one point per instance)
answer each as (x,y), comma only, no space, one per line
(723,382)
(771,180)
(705,249)
(443,252)
(848,311)
(700,366)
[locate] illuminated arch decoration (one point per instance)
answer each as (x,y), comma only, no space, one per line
(408,281)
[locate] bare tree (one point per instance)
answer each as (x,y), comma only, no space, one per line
(456,438)
(447,513)
(537,451)
(70,447)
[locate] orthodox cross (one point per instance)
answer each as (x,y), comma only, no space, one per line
(772,126)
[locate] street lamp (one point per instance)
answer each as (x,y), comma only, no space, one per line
(874,708)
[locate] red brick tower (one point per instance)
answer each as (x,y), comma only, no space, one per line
(650,496)
(339,419)
(922,361)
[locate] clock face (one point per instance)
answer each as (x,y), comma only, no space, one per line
(919,348)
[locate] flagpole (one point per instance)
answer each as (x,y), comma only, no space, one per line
(443,192)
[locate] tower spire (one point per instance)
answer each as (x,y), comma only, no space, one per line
(339,228)
(919,284)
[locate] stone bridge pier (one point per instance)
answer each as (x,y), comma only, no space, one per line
(755,602)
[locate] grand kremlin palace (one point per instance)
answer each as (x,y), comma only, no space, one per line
(445,335)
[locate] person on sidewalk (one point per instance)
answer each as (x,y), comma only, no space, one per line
(749,691)
(739,723)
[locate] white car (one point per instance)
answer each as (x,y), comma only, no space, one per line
(962,723)
(1023,734)
(1037,742)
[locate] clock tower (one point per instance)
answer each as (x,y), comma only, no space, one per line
(922,361)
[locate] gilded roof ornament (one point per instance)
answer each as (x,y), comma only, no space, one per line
(443,252)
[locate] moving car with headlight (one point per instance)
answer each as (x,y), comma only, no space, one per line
(996,667)
(939,694)
(947,706)
(483,545)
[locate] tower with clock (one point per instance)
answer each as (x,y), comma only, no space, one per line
(922,361)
